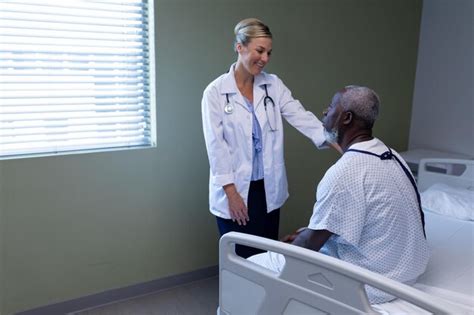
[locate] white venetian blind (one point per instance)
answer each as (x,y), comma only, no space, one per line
(74,75)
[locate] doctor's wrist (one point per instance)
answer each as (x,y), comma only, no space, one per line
(230,190)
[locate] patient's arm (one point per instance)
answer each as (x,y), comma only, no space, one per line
(312,239)
(291,237)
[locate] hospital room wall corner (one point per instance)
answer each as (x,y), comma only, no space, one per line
(445,52)
(84,224)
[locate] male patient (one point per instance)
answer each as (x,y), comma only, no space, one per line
(367,210)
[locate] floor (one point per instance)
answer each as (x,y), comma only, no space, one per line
(200,297)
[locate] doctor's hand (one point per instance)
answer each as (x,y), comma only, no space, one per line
(336,147)
(238,209)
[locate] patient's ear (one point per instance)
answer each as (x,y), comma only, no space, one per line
(347,117)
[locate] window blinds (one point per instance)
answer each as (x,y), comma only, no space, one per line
(74,75)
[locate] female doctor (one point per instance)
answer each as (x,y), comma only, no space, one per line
(242,114)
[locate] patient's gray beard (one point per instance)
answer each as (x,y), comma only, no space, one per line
(331,136)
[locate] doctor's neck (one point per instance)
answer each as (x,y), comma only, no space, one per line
(242,76)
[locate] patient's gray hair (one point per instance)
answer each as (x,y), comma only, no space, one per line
(362,102)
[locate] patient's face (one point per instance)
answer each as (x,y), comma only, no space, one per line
(331,114)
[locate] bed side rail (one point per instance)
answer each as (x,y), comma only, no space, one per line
(309,281)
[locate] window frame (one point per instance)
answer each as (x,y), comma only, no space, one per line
(151,78)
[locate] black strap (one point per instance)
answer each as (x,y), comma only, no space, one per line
(388,155)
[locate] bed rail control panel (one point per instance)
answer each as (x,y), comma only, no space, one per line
(414,156)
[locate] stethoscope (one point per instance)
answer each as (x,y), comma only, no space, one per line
(267,102)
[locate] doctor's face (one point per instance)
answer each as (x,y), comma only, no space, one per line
(255,55)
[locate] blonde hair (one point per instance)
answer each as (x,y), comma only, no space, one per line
(250,28)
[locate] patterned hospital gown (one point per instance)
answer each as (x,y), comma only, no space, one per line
(371,207)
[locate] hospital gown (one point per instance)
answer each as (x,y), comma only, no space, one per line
(371,208)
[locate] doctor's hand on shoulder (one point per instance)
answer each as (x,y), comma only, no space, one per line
(336,147)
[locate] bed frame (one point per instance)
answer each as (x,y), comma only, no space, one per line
(313,283)
(458,173)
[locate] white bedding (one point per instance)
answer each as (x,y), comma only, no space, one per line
(451,265)
(399,307)
(455,202)
(450,272)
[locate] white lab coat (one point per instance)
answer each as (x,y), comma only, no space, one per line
(229,138)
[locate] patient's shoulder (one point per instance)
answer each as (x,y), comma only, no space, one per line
(349,164)
(343,172)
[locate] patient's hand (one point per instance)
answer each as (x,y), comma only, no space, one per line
(291,237)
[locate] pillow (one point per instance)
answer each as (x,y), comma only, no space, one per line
(449,201)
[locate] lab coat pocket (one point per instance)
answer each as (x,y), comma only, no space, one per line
(281,183)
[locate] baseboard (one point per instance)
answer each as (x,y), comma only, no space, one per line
(114,295)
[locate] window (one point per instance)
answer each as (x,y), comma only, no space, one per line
(75,76)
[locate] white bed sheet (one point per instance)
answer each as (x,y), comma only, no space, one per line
(450,271)
(451,265)
(449,201)
(399,307)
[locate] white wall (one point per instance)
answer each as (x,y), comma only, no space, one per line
(443,110)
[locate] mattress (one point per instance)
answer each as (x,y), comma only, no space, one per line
(450,271)
(398,307)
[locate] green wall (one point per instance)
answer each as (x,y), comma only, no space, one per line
(2,231)
(76,225)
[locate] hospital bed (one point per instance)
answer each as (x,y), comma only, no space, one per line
(313,283)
